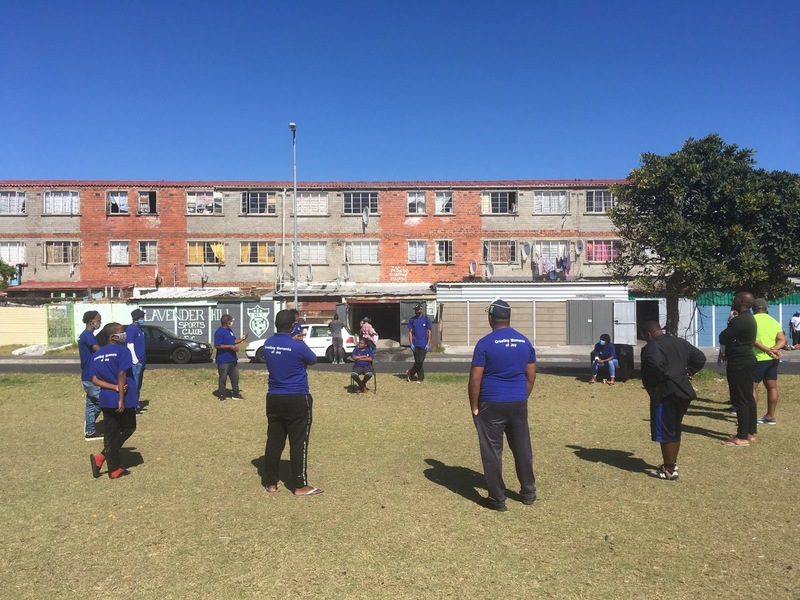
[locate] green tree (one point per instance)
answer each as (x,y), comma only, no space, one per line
(6,273)
(705,218)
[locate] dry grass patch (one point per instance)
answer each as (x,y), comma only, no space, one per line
(399,518)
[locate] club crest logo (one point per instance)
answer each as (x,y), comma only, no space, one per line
(259,319)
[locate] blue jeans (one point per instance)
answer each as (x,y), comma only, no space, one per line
(138,374)
(612,367)
(92,405)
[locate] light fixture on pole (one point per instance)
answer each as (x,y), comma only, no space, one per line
(293,127)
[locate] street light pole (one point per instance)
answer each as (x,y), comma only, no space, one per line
(293,127)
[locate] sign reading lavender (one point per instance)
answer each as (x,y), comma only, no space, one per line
(199,322)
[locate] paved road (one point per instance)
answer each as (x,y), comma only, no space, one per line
(396,361)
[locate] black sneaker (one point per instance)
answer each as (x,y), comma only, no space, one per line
(95,435)
(493,504)
(662,473)
(95,468)
(237,397)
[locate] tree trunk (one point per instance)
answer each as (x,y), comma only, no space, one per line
(673,314)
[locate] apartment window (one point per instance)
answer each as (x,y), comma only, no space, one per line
(12,203)
(361,252)
(12,253)
(500,251)
(552,202)
(312,253)
(117,203)
(444,203)
(602,250)
(204,203)
(257,253)
(147,203)
(356,202)
(498,203)
(118,253)
(148,253)
(416,251)
(416,203)
(598,201)
(62,203)
(444,251)
(258,203)
(205,253)
(312,203)
(551,250)
(62,253)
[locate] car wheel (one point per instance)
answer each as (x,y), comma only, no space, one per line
(260,355)
(181,356)
(329,354)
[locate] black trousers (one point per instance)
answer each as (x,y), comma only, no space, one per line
(288,416)
(419,357)
(118,428)
(492,421)
(740,387)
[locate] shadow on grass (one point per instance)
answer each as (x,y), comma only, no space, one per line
(619,459)
(459,480)
(130,457)
(285,471)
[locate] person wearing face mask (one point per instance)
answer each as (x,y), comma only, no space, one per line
(112,369)
(87,345)
(226,343)
(419,339)
(136,346)
(604,353)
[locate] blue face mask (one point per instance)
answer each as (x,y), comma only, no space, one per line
(602,342)
(140,321)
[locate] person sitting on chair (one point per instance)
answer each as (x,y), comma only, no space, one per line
(362,365)
(604,354)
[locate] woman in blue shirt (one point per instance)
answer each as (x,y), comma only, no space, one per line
(112,372)
(362,365)
(604,353)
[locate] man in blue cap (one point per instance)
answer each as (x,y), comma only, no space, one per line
(419,339)
(500,380)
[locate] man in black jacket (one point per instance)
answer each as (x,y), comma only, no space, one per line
(667,364)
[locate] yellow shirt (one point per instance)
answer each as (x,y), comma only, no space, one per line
(767,329)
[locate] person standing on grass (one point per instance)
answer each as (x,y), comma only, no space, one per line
(226,343)
(667,365)
(770,340)
(419,339)
(794,329)
(289,405)
(362,365)
(501,378)
(112,371)
(87,345)
(739,337)
(336,327)
(136,346)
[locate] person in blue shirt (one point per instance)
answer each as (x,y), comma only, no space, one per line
(501,378)
(136,346)
(297,327)
(87,345)
(604,353)
(112,371)
(226,343)
(363,371)
(419,339)
(289,405)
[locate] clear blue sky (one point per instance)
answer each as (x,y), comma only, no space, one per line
(389,90)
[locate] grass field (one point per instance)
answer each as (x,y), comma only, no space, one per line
(399,517)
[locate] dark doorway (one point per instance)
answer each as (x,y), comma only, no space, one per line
(646,310)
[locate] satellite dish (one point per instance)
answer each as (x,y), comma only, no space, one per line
(489,270)
(578,246)
(309,274)
(526,251)
(473,267)
(346,272)
(365,216)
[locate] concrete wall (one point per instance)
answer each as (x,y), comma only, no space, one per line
(23,326)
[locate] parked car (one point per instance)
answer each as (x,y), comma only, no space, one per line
(163,345)
(317,336)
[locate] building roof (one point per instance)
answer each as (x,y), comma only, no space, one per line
(340,185)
